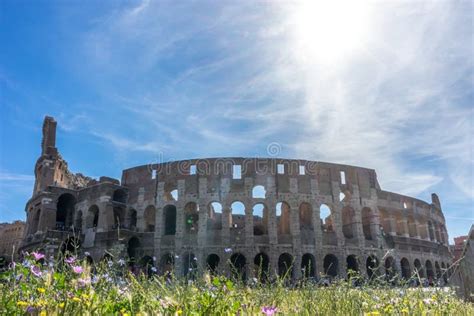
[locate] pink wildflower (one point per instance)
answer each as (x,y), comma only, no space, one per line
(36,270)
(77,269)
(37,255)
(269,310)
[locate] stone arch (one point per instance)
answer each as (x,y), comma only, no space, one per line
(214,216)
(352,265)
(166,264)
(237,219)
(238,264)
(406,270)
(191,218)
(133,247)
(170,193)
(331,266)
(262,267)
(258,192)
(348,215)
(390,268)
(132,219)
(260,219)
(119,196)
(430,273)
(65,211)
(419,268)
(372,265)
(212,262)
(326,218)
(283,218)
(169,214)
(368,220)
(119,216)
(306,216)
(285,265)
(92,219)
(308,265)
(146,265)
(149,217)
(189,265)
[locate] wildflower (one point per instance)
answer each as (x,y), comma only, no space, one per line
(153,269)
(36,271)
(22,304)
(154,258)
(30,309)
(269,310)
(77,269)
(70,260)
(42,313)
(37,255)
(12,265)
(76,299)
(41,290)
(87,253)
(121,262)
(110,263)
(61,305)
(83,282)
(228,250)
(428,301)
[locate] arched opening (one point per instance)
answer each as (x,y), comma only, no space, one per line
(169,212)
(237,266)
(308,266)
(283,218)
(170,194)
(132,219)
(438,270)
(347,214)
(431,231)
(285,266)
(390,269)
(237,219)
(133,248)
(189,265)
(372,265)
(331,265)
(352,265)
(429,271)
(306,217)
(419,268)
(78,222)
(149,217)
(119,217)
(92,217)
(166,264)
(119,196)
(212,262)
(70,247)
(65,211)
(406,270)
(191,218)
(258,192)
(367,222)
(260,219)
(326,218)
(214,216)
(262,265)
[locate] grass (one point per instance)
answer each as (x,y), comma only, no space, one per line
(53,287)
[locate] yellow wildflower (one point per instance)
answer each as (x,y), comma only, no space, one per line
(61,305)
(405,311)
(85,296)
(22,303)
(179,312)
(42,313)
(76,299)
(41,289)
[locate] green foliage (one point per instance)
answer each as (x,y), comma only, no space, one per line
(72,288)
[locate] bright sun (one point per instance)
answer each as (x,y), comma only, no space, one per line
(327,31)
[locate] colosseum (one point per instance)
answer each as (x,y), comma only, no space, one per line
(257,217)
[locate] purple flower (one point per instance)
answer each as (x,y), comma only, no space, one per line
(77,269)
(70,260)
(269,310)
(30,309)
(83,282)
(36,271)
(37,255)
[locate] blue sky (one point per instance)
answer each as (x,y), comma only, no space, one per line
(384,85)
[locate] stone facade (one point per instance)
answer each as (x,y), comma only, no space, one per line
(319,218)
(11,236)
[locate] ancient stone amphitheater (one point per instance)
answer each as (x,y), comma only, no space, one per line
(254,217)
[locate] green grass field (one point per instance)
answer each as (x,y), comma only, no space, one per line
(39,287)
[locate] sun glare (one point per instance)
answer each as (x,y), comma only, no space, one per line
(327,31)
